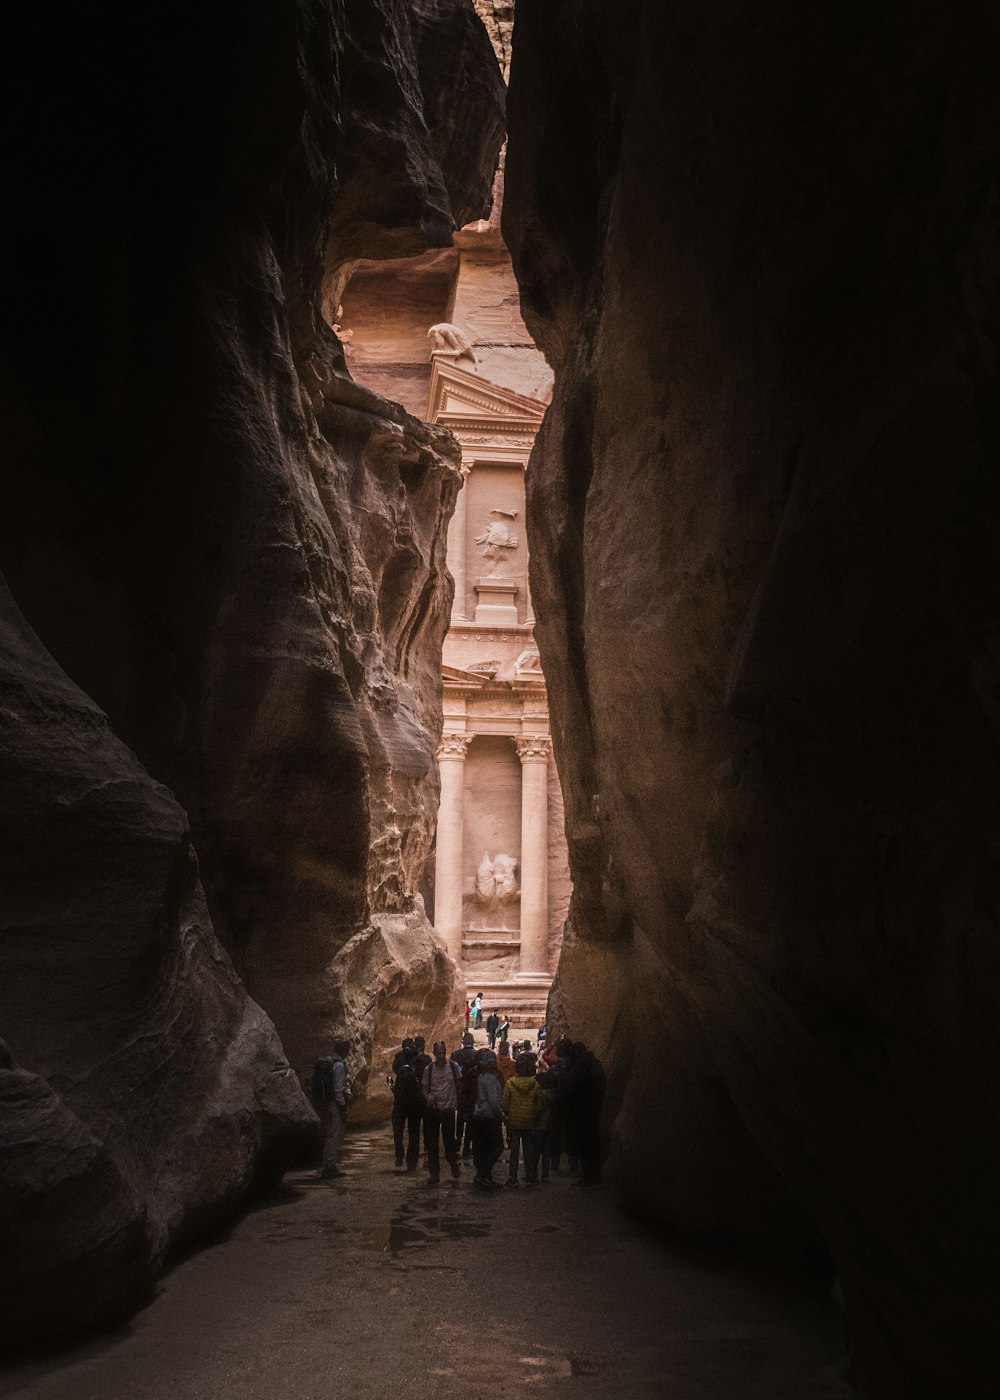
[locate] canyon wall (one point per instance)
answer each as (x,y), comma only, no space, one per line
(231,562)
(760,250)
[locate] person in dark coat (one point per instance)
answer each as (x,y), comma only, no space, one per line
(584,1097)
(407,1106)
(467,1059)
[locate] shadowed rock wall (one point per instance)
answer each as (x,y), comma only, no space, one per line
(238,556)
(760,251)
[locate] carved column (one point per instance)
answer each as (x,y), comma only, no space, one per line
(534,753)
(448,857)
(456,551)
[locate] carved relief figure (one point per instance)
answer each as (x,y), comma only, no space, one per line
(485,882)
(496,539)
(447,339)
(496,883)
(507,889)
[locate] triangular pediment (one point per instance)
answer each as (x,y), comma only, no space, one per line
(458,393)
(468,680)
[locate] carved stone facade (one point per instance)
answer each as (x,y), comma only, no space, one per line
(502,916)
(443,334)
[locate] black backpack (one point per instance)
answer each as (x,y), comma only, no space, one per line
(406,1091)
(322,1080)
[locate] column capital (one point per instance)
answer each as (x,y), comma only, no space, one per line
(534,747)
(454,746)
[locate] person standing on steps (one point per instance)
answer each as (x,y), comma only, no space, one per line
(522,1103)
(477,1010)
(492,1025)
(332,1092)
(503,1029)
(487,1120)
(440,1081)
(407,1106)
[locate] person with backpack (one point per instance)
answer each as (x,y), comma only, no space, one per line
(331,1089)
(487,1120)
(467,1059)
(423,1059)
(408,1044)
(440,1083)
(407,1106)
(522,1103)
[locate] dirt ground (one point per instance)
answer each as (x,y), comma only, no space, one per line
(377,1284)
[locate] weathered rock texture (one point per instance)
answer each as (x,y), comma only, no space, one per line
(236,553)
(761,252)
(143,1093)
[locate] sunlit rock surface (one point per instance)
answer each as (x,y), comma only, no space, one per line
(235,552)
(761,253)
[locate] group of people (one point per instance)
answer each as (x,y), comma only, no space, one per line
(477,1102)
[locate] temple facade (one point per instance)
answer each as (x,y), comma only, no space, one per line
(442,334)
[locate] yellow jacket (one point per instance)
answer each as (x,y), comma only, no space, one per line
(522,1101)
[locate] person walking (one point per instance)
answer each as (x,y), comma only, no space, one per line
(522,1104)
(407,1106)
(487,1120)
(332,1091)
(440,1082)
(492,1024)
(467,1060)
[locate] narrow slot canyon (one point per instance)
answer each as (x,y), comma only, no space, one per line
(500,497)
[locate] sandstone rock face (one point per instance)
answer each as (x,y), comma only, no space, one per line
(238,555)
(761,254)
(148,1094)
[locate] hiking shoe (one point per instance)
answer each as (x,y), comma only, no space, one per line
(399,1162)
(331,1171)
(511,1181)
(411,1169)
(456,1170)
(433,1181)
(531,1183)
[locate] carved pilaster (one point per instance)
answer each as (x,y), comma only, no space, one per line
(448,859)
(533,750)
